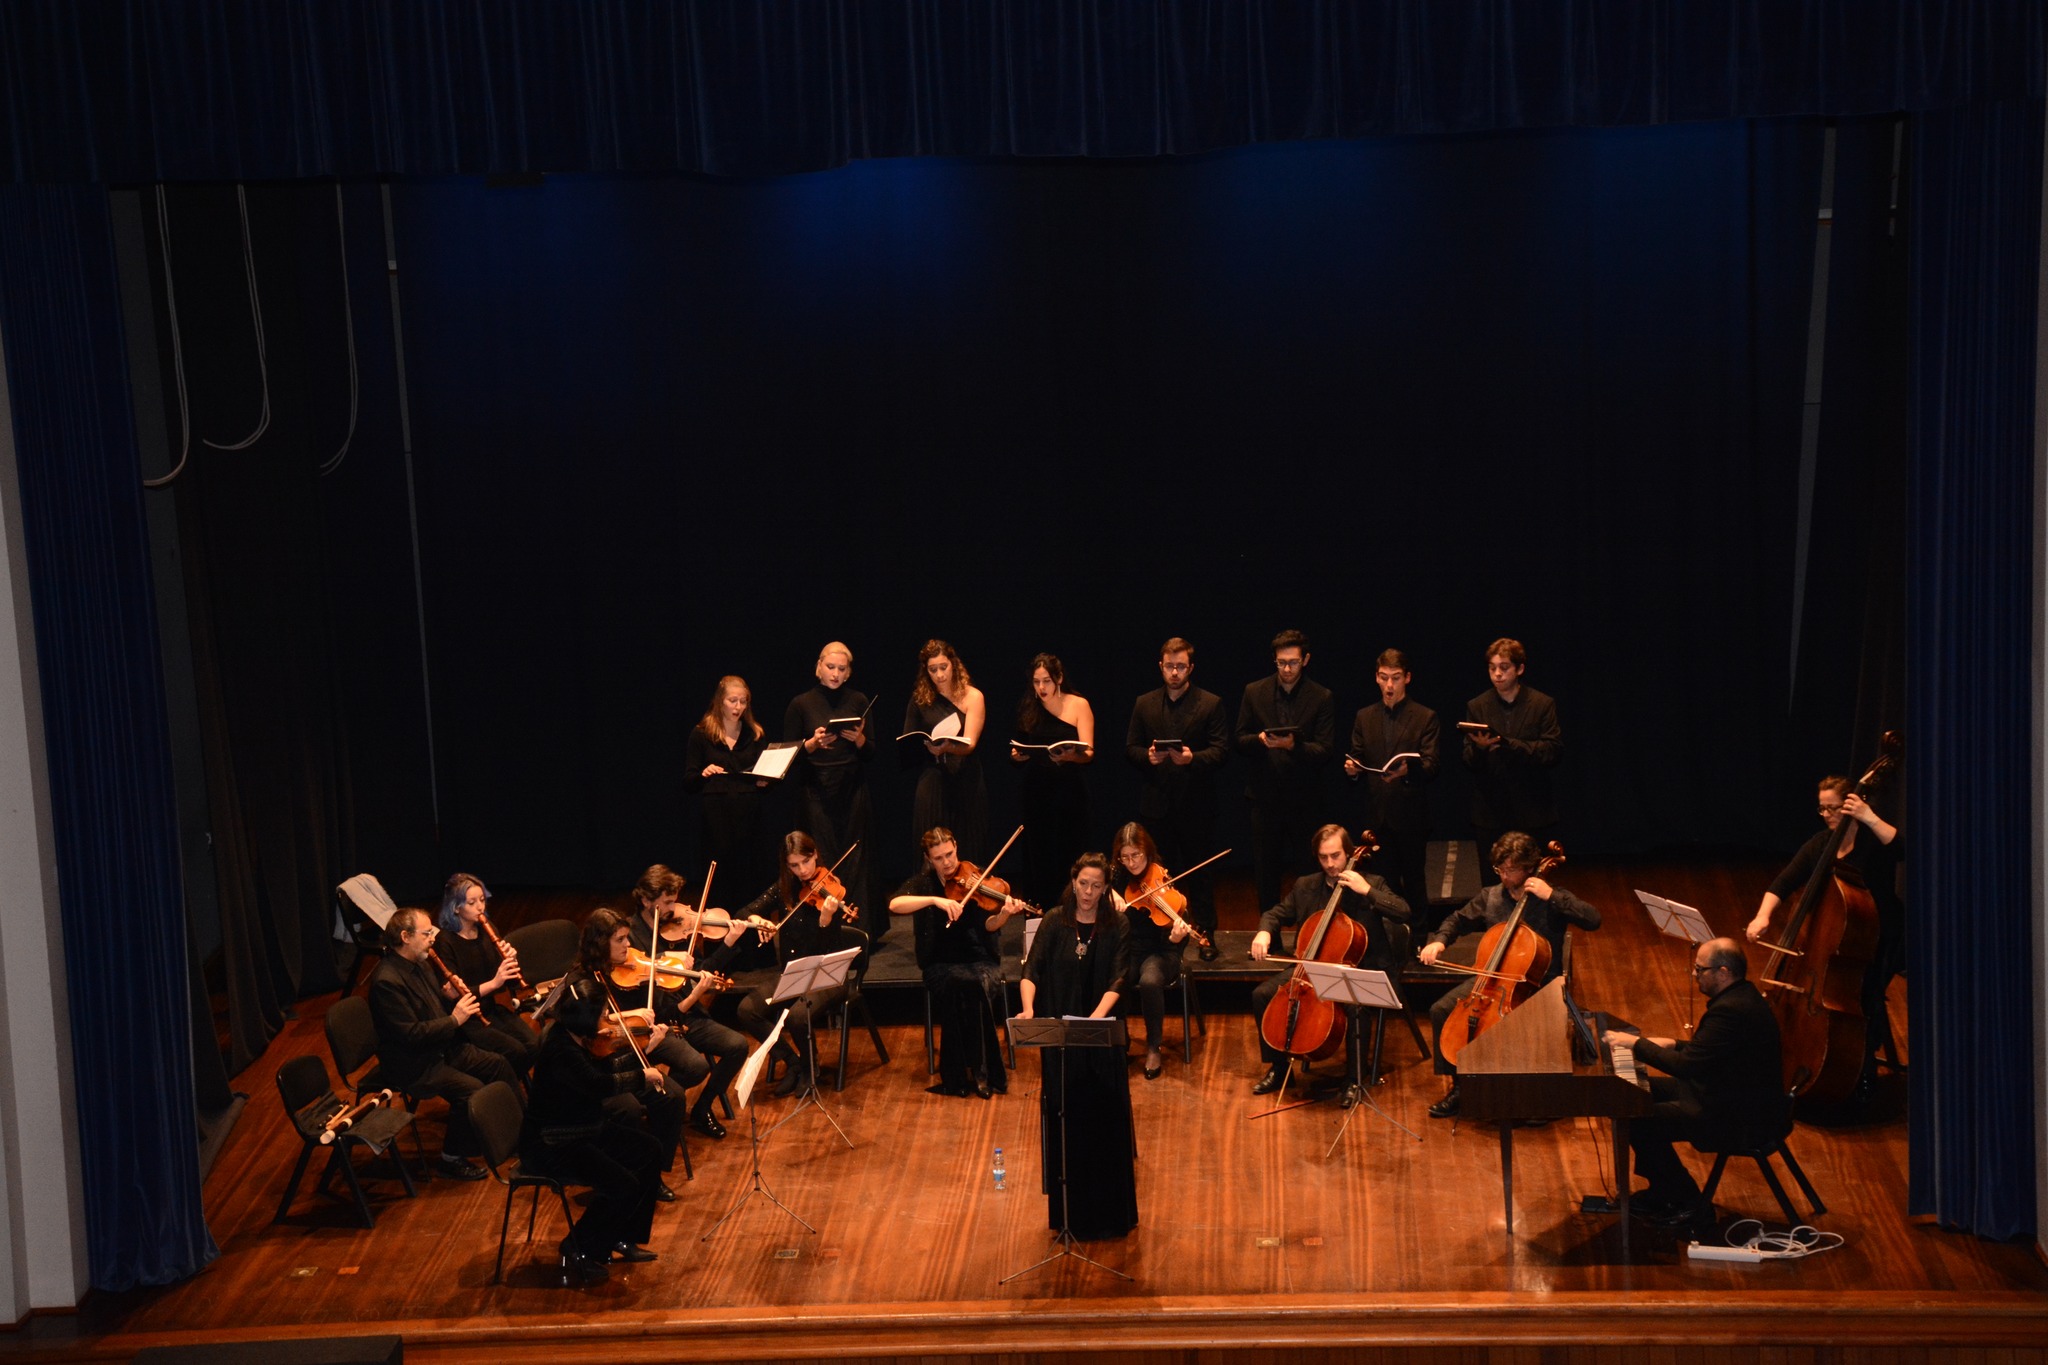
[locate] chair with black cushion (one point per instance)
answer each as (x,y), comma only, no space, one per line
(310,1103)
(352,1040)
(1764,1141)
(546,948)
(496,1115)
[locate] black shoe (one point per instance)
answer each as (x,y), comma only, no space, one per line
(1275,1077)
(578,1269)
(703,1121)
(983,1088)
(1353,1093)
(1153,1066)
(626,1251)
(1447,1107)
(1208,952)
(663,1194)
(455,1168)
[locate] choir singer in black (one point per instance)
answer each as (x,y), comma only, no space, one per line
(1177,739)
(1396,794)
(1286,729)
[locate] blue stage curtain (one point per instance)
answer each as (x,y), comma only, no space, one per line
(147,90)
(104,724)
(1976,244)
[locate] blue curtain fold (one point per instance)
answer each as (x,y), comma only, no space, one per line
(124,91)
(105,726)
(1976,241)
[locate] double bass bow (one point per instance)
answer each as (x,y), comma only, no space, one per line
(1813,975)
(1298,1022)
(1514,959)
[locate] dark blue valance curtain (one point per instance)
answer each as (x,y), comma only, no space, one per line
(134,91)
(145,90)
(1971,612)
(106,734)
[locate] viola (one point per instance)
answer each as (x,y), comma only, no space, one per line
(823,887)
(1515,960)
(631,1029)
(1814,975)
(1150,892)
(1298,1022)
(971,886)
(669,973)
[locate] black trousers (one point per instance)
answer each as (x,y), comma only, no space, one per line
(1675,1117)
(1282,827)
(1157,975)
(462,1071)
(622,1167)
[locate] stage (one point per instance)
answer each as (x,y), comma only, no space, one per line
(1254,1240)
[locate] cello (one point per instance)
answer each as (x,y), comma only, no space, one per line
(1814,974)
(1515,960)
(1298,1022)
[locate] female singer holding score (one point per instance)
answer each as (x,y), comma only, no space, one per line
(722,746)
(951,792)
(1054,799)
(1154,951)
(471,955)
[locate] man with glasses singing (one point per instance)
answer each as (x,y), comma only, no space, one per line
(1396,793)
(1722,1086)
(1548,911)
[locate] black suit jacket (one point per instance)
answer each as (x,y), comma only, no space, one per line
(1285,772)
(1732,1068)
(414,1028)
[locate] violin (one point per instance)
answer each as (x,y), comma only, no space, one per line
(1515,959)
(1814,975)
(630,1029)
(823,887)
(989,893)
(669,973)
(718,922)
(1298,1022)
(1151,893)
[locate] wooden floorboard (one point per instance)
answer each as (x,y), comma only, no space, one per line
(1252,1243)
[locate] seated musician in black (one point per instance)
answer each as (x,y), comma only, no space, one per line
(1365,898)
(419,1038)
(471,955)
(756,966)
(961,956)
(572,1132)
(1724,1086)
(1548,910)
(693,1046)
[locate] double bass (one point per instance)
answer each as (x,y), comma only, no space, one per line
(1513,960)
(1813,976)
(1298,1022)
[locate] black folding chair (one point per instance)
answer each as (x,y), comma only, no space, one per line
(496,1115)
(311,1103)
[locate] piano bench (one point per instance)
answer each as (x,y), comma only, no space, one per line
(1762,1157)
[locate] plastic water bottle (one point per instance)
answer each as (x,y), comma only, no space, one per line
(999,1168)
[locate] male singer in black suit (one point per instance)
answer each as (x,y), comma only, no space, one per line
(1512,758)
(1286,730)
(1724,1086)
(1396,799)
(1178,738)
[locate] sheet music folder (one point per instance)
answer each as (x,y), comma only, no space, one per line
(1073,1031)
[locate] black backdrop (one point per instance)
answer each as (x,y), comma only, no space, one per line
(1416,392)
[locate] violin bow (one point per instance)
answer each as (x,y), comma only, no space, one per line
(703,904)
(987,871)
(809,890)
(1189,873)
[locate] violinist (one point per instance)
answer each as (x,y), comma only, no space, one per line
(1511,759)
(419,1038)
(1078,966)
(1177,739)
(468,949)
(1874,848)
(1054,798)
(950,711)
(1155,950)
(1548,911)
(573,1131)
(813,919)
(960,953)
(1396,798)
(1366,900)
(831,775)
(1286,731)
(723,744)
(693,1046)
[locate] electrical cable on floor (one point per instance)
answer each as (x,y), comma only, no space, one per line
(256,318)
(1791,1245)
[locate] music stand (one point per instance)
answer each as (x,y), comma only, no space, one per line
(1064,1034)
(743,1092)
(1679,921)
(803,975)
(1360,988)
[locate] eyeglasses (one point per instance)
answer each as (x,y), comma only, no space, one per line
(1698,970)
(1829,810)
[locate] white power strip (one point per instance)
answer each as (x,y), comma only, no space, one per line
(1701,1251)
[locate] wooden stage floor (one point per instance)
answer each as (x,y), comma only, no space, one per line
(1253,1244)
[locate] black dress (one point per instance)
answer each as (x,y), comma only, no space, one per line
(495,1029)
(729,806)
(1054,804)
(832,801)
(962,965)
(1072,966)
(950,788)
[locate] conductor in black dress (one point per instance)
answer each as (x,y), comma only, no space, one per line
(1722,1087)
(1395,799)
(1177,739)
(1286,732)
(1077,966)
(831,775)
(1511,760)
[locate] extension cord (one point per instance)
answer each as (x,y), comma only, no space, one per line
(1701,1251)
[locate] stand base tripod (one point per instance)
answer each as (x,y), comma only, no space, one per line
(809,1098)
(758,1185)
(1068,1245)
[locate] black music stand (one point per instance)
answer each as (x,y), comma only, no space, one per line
(802,975)
(1358,988)
(743,1091)
(1064,1034)
(1674,919)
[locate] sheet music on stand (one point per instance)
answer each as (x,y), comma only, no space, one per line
(1361,988)
(1073,1030)
(802,976)
(743,1090)
(1676,919)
